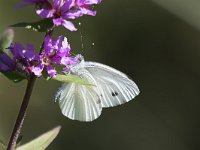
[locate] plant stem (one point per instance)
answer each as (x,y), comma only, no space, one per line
(20,119)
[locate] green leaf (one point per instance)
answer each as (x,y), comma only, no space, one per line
(41,142)
(44,25)
(2,145)
(6,39)
(13,76)
(71,78)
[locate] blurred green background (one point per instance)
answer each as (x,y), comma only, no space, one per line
(156,42)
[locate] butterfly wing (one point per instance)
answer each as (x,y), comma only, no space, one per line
(115,87)
(80,102)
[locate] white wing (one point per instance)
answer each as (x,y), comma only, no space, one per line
(115,87)
(79,102)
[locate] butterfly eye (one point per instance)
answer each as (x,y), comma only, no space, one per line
(114,93)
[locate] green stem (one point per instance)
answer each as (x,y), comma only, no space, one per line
(21,115)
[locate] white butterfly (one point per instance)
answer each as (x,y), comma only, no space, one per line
(85,103)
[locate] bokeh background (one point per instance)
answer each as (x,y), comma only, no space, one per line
(156,42)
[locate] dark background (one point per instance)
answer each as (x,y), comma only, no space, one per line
(157,43)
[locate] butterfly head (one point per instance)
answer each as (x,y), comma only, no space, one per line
(79,65)
(80,57)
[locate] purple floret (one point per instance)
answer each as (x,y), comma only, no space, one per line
(54,52)
(60,13)
(64,10)
(22,62)
(85,6)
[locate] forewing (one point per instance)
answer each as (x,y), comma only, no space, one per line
(115,87)
(80,102)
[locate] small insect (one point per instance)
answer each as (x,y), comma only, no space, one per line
(85,103)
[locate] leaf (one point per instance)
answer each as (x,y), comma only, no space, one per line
(6,39)
(44,25)
(2,145)
(41,142)
(71,78)
(13,76)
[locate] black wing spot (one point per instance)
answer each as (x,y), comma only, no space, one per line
(114,93)
(98,101)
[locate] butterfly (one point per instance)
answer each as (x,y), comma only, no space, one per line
(85,103)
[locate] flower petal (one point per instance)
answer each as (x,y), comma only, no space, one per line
(67,5)
(51,71)
(92,2)
(83,3)
(73,14)
(57,43)
(69,25)
(57,4)
(68,61)
(30,47)
(30,55)
(58,21)
(37,70)
(17,50)
(86,11)
(44,13)
(65,44)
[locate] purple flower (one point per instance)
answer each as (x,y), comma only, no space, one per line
(60,13)
(85,6)
(22,62)
(55,52)
(63,10)
(38,3)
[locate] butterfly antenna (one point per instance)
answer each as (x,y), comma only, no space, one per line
(81,35)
